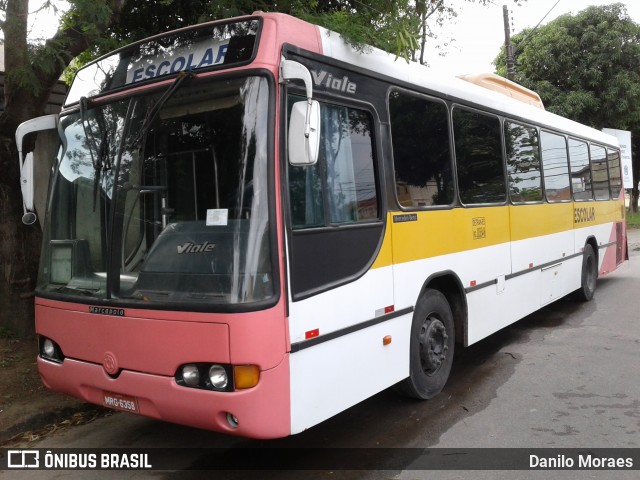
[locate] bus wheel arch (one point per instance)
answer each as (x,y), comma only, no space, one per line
(450,286)
(594,245)
(435,327)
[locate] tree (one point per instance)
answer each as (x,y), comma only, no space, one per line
(586,67)
(31,72)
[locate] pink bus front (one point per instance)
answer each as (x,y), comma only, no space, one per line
(161,287)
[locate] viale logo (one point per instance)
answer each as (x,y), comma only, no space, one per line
(189,247)
(327,80)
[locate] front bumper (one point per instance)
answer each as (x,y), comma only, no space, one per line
(262,411)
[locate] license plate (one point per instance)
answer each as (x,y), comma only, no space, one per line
(118,401)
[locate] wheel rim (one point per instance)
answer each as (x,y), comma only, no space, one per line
(433,345)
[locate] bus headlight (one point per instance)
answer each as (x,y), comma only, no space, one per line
(207,376)
(191,375)
(218,377)
(50,350)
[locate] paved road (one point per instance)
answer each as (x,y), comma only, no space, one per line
(567,376)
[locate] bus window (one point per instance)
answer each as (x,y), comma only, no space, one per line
(580,170)
(555,166)
(600,175)
(341,187)
(615,179)
(478,147)
(523,163)
(421,152)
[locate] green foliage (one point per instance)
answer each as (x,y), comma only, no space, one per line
(585,67)
(368,26)
(87,16)
(633,219)
(391,25)
(397,26)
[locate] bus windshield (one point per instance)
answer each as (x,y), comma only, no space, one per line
(164,198)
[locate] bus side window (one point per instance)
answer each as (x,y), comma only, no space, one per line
(580,170)
(341,187)
(421,152)
(600,174)
(478,145)
(305,194)
(615,178)
(523,163)
(555,166)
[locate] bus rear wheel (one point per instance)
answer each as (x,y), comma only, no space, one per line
(589,274)
(431,349)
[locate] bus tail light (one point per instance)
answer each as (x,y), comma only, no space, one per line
(246,376)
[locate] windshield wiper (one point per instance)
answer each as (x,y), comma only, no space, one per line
(97,154)
(152,113)
(76,290)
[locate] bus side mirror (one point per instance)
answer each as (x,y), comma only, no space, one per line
(304,146)
(26,186)
(304,124)
(48,122)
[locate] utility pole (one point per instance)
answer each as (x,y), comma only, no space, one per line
(507,44)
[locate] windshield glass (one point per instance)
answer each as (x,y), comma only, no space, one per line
(165,204)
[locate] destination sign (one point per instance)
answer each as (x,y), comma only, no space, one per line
(205,54)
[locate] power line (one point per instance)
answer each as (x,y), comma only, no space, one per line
(510,50)
(535,28)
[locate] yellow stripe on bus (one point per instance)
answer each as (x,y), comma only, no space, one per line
(529,221)
(442,232)
(413,236)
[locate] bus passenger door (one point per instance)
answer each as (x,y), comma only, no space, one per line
(340,284)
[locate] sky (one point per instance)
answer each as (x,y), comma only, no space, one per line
(43,22)
(479,30)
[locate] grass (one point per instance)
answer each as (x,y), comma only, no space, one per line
(633,219)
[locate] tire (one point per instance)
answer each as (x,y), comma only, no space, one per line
(589,275)
(431,347)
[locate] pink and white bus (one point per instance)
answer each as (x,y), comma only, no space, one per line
(251,227)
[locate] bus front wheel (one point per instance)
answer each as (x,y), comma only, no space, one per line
(589,274)
(431,348)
